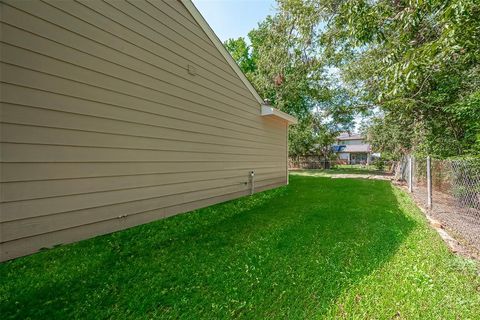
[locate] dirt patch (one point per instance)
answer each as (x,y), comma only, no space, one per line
(361,176)
(460,231)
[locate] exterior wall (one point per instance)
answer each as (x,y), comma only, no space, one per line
(104,128)
(344,156)
(359,158)
(350,142)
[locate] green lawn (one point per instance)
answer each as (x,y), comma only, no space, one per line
(320,248)
(342,169)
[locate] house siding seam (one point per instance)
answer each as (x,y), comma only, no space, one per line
(102,127)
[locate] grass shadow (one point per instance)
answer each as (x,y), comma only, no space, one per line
(284,253)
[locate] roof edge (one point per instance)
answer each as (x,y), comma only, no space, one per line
(268,110)
(188,4)
(350,138)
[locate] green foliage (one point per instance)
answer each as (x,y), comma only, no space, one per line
(286,66)
(379,164)
(240,53)
(282,65)
(319,248)
(301,139)
(414,66)
(387,135)
(419,62)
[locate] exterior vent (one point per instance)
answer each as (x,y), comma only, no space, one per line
(192,70)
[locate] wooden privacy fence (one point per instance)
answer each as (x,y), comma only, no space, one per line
(310,162)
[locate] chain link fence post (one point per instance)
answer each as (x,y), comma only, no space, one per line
(410,174)
(429,183)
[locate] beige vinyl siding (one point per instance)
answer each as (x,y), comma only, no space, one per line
(199,199)
(103,128)
(35,171)
(81,25)
(27,190)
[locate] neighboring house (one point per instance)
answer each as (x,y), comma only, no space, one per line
(119,113)
(352,149)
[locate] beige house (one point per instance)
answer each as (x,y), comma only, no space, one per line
(352,149)
(119,113)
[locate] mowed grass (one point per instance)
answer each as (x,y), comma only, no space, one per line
(319,248)
(341,169)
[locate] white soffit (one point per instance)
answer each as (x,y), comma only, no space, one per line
(273,112)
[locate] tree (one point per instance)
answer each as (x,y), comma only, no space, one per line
(387,135)
(240,52)
(286,65)
(419,63)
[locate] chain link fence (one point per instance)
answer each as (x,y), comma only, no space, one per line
(450,190)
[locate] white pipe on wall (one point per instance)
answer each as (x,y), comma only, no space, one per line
(252,182)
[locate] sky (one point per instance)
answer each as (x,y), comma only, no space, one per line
(234,18)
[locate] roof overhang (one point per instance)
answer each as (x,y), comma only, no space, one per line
(188,4)
(357,148)
(269,111)
(266,110)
